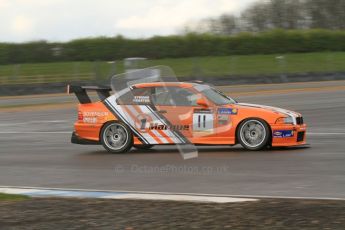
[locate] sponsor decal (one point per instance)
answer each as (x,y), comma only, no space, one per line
(156,126)
(91,120)
(228,111)
(95,114)
(282,133)
(203,111)
(142,122)
(93,117)
(141,99)
(223,119)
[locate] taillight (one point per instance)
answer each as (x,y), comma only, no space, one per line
(80,116)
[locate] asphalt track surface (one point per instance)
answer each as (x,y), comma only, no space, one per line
(35,150)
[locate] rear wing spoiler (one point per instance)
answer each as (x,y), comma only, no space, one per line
(83,97)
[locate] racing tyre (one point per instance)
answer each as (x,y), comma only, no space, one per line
(253,134)
(144,147)
(116,137)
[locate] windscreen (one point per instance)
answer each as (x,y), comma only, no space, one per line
(136,94)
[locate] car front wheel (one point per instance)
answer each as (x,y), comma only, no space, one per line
(116,137)
(253,134)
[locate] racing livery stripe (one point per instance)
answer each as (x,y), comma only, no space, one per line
(130,119)
(168,134)
(119,117)
(159,133)
(162,139)
(128,114)
(176,133)
(289,113)
(166,137)
(132,111)
(176,138)
(284,111)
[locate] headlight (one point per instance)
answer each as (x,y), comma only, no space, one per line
(285,120)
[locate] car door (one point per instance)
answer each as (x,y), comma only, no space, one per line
(179,106)
(174,106)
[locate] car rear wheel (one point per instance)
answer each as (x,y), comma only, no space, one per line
(253,134)
(116,137)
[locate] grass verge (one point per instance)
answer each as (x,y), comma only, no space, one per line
(213,66)
(11,197)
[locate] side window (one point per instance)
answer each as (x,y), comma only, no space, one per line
(174,96)
(138,96)
(162,96)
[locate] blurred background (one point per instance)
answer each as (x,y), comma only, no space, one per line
(45,45)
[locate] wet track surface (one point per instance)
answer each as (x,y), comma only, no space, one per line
(36,151)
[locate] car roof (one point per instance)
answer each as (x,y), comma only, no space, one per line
(164,84)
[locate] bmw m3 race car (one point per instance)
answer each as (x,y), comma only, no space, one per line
(150,107)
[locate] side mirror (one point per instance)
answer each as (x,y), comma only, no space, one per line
(202,102)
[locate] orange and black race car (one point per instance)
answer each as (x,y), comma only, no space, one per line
(143,115)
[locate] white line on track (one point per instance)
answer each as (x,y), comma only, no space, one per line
(48,192)
(17,190)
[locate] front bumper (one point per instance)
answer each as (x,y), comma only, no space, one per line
(289,135)
(75,139)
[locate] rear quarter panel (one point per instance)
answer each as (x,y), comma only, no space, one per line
(93,117)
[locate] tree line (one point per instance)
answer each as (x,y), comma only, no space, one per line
(277,14)
(265,27)
(189,45)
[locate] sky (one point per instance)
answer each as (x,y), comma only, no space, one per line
(63,20)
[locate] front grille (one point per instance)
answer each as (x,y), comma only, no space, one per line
(300,136)
(299,120)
